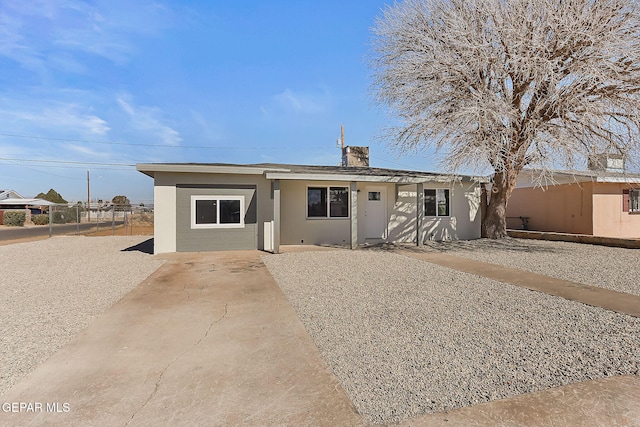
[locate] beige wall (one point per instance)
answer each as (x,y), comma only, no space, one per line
(464,222)
(562,208)
(296,229)
(608,218)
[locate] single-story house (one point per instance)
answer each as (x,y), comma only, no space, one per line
(206,207)
(10,199)
(602,203)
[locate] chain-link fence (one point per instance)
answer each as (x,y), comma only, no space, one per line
(100,220)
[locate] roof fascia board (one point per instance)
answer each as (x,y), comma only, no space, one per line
(361,178)
(618,179)
(150,169)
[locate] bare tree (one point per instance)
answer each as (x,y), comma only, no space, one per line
(505,84)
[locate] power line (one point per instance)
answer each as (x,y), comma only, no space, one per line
(112,168)
(209,147)
(67,162)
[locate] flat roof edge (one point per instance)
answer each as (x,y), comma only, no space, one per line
(151,168)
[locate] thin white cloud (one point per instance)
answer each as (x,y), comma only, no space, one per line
(146,119)
(38,34)
(69,117)
(85,150)
(302,103)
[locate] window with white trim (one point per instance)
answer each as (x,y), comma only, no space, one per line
(217,211)
(327,202)
(634,200)
(436,202)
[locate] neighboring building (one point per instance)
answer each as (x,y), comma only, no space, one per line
(603,201)
(11,200)
(205,207)
(9,194)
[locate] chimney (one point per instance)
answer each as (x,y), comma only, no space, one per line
(606,162)
(355,157)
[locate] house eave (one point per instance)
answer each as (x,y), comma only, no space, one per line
(368,178)
(150,169)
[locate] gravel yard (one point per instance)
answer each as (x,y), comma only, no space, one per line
(51,289)
(406,337)
(606,267)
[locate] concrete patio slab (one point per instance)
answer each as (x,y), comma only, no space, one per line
(208,339)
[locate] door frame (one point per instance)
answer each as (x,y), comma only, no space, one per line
(383,198)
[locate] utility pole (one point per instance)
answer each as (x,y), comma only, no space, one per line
(88,197)
(344,155)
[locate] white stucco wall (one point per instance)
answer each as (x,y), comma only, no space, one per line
(463,222)
(164,218)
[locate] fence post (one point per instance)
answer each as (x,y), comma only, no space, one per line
(113,220)
(50,220)
(77,219)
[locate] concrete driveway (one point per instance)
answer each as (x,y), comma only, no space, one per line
(208,339)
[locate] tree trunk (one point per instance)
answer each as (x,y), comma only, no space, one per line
(494,225)
(484,203)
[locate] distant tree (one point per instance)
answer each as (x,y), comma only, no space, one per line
(121,202)
(52,196)
(508,84)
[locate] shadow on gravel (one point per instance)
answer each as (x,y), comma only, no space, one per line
(144,247)
(507,244)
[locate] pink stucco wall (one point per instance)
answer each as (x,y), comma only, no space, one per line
(608,217)
(585,208)
(562,208)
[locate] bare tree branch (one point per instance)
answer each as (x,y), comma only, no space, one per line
(510,83)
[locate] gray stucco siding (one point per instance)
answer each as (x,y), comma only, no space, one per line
(189,239)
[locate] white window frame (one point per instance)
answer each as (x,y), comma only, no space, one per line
(634,193)
(328,188)
(438,198)
(218,198)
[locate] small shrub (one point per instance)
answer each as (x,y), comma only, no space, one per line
(64,216)
(14,218)
(41,219)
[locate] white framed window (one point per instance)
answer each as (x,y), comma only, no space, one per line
(436,202)
(217,212)
(634,200)
(327,202)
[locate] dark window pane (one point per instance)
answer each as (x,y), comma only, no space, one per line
(339,201)
(443,202)
(206,212)
(374,195)
(316,202)
(430,202)
(229,211)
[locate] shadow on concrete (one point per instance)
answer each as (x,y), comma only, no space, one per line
(144,247)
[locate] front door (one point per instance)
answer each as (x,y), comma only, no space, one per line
(376,213)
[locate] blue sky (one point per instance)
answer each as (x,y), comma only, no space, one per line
(103,84)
